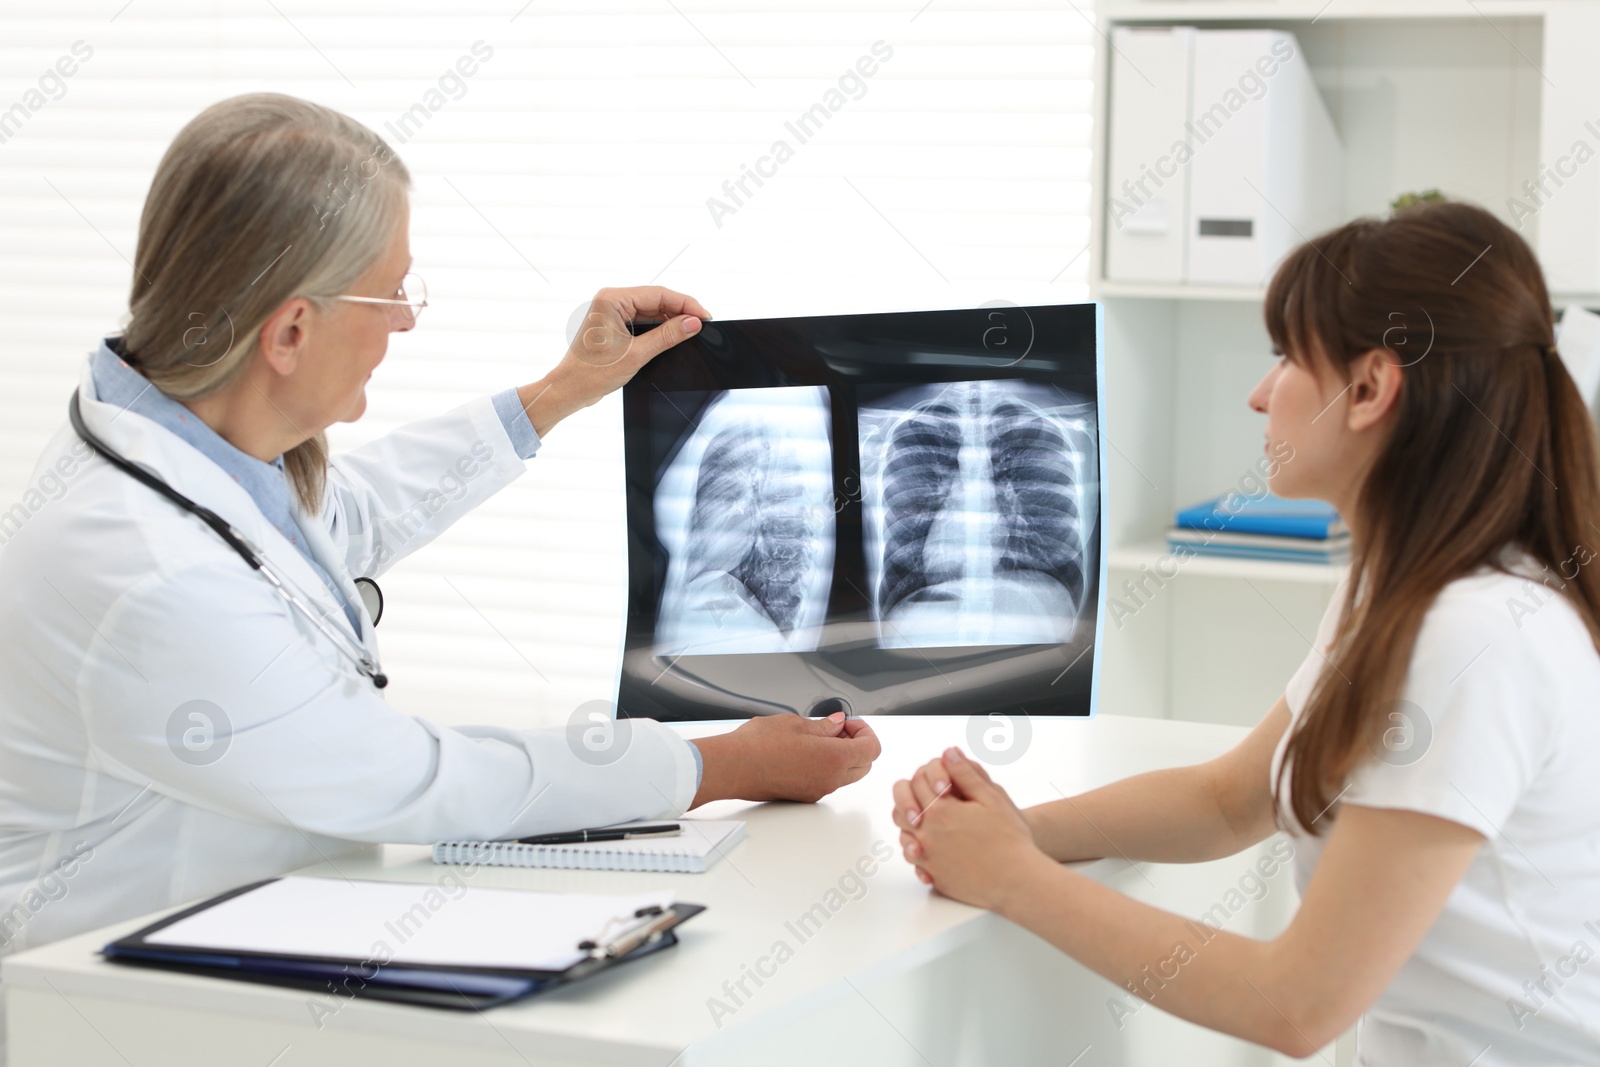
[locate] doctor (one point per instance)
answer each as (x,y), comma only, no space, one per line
(172,723)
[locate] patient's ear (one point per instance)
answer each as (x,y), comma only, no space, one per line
(1376,379)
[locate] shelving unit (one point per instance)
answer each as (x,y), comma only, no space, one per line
(1469,98)
(1158,557)
(1157,291)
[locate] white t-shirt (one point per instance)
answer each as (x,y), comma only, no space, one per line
(1504,737)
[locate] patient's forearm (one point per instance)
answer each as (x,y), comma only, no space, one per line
(1166,816)
(1211,977)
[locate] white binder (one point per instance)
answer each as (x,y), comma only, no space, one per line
(1147,210)
(1221,157)
(1269,173)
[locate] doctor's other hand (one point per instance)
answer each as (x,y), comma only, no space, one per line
(785,757)
(604,355)
(962,831)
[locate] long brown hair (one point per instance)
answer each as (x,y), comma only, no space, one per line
(259,199)
(1492,445)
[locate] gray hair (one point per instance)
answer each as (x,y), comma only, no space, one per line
(261,198)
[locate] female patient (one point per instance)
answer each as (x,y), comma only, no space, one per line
(1450,885)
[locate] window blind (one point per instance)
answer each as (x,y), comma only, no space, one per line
(769,158)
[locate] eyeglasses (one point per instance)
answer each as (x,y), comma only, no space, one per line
(413,297)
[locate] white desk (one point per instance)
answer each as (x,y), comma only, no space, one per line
(896,976)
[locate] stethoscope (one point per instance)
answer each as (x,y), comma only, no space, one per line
(371,595)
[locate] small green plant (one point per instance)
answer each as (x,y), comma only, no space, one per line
(1405,200)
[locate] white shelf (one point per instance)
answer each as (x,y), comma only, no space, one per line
(1133,557)
(1166,291)
(1178,291)
(1194,11)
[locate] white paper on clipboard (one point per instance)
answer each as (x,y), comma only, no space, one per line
(446,923)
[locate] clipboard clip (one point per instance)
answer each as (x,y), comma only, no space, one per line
(644,925)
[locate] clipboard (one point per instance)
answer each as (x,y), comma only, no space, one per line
(434,985)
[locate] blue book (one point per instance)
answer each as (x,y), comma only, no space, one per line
(1267,514)
(1284,555)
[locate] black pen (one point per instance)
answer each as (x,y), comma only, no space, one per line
(611,833)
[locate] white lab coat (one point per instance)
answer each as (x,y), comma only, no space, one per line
(117,608)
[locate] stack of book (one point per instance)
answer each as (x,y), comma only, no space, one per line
(1269,527)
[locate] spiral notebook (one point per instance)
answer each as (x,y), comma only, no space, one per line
(700,845)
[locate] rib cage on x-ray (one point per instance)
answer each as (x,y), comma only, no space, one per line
(750,519)
(1034,490)
(1004,479)
(921,470)
(745,520)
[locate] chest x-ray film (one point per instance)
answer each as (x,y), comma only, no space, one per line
(744,513)
(894,513)
(975,504)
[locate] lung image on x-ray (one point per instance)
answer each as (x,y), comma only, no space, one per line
(979,503)
(745,514)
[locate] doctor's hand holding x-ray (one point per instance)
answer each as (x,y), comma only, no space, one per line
(770,757)
(190,696)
